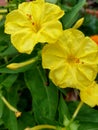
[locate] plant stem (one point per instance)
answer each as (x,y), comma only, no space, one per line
(76,111)
(17,113)
(39,127)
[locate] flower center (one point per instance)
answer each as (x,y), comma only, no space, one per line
(35,25)
(72,59)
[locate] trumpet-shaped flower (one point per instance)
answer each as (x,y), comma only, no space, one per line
(33,22)
(72,59)
(89,95)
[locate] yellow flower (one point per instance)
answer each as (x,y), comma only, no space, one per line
(72,59)
(33,22)
(89,95)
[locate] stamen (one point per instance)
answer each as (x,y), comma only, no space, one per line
(33,23)
(77,60)
(71,59)
(29,16)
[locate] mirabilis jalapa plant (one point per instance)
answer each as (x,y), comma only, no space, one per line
(69,55)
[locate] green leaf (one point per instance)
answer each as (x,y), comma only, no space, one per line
(4,38)
(51,1)
(63,109)
(71,2)
(70,17)
(1,107)
(26,120)
(96,1)
(10,120)
(9,80)
(9,51)
(87,117)
(90,25)
(45,98)
(88,126)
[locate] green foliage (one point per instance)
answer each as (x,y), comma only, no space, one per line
(71,16)
(87,116)
(91,24)
(29,88)
(51,1)
(45,98)
(63,109)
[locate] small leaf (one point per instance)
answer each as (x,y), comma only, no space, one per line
(74,125)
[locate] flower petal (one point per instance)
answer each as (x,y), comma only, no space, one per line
(24,42)
(72,38)
(89,71)
(15,21)
(89,95)
(50,32)
(58,74)
(88,46)
(64,76)
(32,8)
(52,12)
(53,55)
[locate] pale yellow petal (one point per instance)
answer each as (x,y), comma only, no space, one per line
(44,11)
(33,8)
(15,21)
(89,95)
(51,12)
(89,71)
(53,55)
(88,46)
(90,58)
(50,32)
(24,42)
(58,74)
(64,76)
(72,39)
(40,1)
